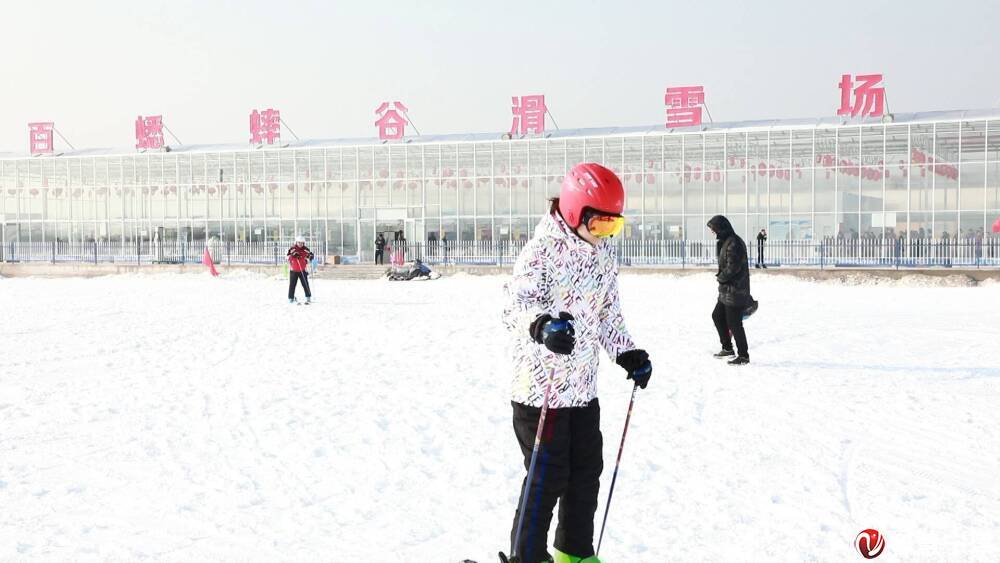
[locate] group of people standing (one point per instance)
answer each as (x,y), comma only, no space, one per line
(562,307)
(381,246)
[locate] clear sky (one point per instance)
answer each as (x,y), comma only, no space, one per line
(92,67)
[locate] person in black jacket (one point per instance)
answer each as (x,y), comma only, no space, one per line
(734,290)
(380,249)
(761,239)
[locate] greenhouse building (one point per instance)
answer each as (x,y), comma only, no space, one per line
(904,177)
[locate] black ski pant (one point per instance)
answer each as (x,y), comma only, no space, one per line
(760,253)
(568,470)
(729,323)
(380,257)
(293,278)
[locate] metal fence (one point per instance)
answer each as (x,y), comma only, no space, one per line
(833,252)
(150,252)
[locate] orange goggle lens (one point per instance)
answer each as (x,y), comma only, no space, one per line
(602,226)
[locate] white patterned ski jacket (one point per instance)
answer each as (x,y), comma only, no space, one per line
(558,271)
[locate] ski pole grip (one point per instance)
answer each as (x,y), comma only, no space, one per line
(557,325)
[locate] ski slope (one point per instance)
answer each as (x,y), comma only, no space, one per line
(186,418)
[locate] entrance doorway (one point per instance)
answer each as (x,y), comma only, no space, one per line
(397,228)
(394,235)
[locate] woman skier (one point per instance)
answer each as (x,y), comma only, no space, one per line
(562,308)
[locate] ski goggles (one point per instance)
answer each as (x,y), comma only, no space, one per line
(602,226)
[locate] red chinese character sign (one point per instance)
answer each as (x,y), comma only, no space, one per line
(868,100)
(149,132)
(265,126)
(40,137)
(529,115)
(391,125)
(684,105)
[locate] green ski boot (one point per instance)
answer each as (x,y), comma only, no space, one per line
(565,558)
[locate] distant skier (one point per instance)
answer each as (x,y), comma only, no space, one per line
(561,308)
(299,257)
(734,301)
(761,239)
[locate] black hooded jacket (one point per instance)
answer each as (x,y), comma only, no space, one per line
(734,272)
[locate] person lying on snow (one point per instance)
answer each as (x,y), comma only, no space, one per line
(418,270)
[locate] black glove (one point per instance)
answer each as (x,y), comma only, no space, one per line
(556,334)
(636,363)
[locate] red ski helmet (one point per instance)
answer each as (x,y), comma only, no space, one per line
(589,184)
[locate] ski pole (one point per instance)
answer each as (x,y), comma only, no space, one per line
(531,467)
(553,326)
(614,477)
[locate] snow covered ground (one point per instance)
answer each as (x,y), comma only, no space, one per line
(185,418)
